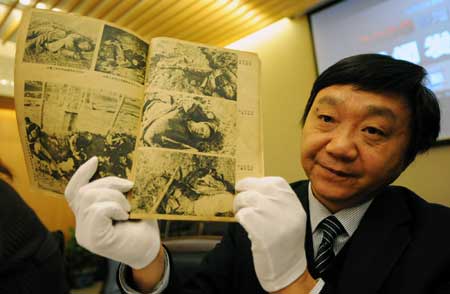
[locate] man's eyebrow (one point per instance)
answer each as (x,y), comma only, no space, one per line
(373,110)
(330,100)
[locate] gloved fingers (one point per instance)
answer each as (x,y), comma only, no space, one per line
(116,183)
(150,223)
(141,227)
(99,195)
(102,214)
(144,235)
(265,185)
(258,184)
(95,230)
(246,199)
(246,184)
(80,178)
(249,220)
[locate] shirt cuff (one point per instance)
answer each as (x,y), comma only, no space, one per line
(318,287)
(158,289)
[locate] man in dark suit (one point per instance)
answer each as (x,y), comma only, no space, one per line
(346,230)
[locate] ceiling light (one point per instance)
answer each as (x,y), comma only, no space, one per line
(256,19)
(41,5)
(233,5)
(222,2)
(267,34)
(16,14)
(249,14)
(25,2)
(241,9)
(2,8)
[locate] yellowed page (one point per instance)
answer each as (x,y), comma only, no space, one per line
(180,119)
(79,85)
(200,131)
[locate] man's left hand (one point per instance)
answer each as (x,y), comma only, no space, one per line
(271,213)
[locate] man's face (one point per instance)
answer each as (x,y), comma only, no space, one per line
(354,142)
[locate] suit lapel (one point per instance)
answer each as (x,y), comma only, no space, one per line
(301,189)
(376,245)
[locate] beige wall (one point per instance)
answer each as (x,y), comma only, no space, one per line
(52,210)
(288,71)
(287,74)
(429,175)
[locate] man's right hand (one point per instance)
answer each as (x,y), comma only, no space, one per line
(101,213)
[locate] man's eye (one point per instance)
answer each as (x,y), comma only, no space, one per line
(374,131)
(325,118)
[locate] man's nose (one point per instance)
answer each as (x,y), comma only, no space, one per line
(342,145)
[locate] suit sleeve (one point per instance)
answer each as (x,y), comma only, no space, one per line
(444,286)
(228,268)
(216,272)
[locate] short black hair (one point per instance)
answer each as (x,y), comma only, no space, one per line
(383,74)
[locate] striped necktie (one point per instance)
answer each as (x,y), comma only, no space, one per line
(331,228)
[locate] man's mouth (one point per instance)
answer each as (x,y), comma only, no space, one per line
(339,173)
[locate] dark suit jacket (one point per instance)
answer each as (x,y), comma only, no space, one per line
(30,259)
(402,245)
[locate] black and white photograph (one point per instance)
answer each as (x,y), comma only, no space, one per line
(70,124)
(33,99)
(185,122)
(122,54)
(182,184)
(56,40)
(193,69)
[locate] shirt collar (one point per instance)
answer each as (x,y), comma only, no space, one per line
(349,217)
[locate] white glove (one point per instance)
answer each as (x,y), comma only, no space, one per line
(275,221)
(101,211)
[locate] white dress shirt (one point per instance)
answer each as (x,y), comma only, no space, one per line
(348,217)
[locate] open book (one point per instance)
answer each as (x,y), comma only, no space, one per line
(182,120)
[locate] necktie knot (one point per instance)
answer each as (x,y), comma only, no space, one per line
(331,228)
